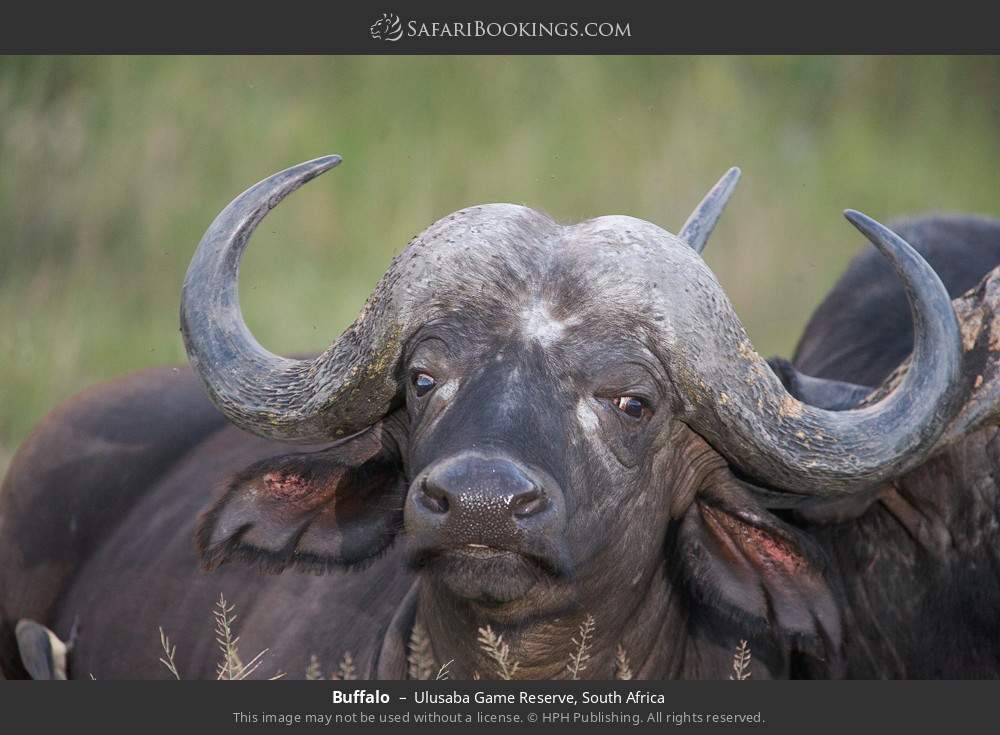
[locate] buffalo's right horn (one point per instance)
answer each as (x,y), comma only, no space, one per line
(346,389)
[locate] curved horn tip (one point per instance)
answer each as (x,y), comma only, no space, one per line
(866,224)
(303,172)
(293,177)
(878,234)
(323,163)
(700,224)
(858,219)
(328,161)
(725,186)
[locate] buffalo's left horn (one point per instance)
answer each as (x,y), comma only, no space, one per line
(736,401)
(346,389)
(700,224)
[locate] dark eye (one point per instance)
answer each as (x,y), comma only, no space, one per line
(631,405)
(423,383)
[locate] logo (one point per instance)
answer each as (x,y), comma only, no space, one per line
(387,28)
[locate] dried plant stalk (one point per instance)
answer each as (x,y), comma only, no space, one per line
(225,616)
(420,657)
(583,642)
(313,670)
(443,672)
(494,647)
(741,662)
(345,670)
(623,670)
(168,651)
(231,667)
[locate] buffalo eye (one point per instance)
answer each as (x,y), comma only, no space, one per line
(630,405)
(423,384)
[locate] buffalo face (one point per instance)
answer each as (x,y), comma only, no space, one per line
(531,443)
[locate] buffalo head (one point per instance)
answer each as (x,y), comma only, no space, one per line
(546,412)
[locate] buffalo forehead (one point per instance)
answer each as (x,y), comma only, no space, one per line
(547,277)
(472,246)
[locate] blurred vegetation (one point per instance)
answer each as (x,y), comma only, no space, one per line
(112,167)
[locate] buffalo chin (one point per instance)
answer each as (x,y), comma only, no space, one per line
(485,575)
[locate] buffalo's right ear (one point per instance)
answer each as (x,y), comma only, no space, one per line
(337,507)
(745,564)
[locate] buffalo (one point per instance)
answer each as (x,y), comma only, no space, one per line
(534,436)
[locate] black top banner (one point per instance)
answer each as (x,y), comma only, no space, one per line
(483,28)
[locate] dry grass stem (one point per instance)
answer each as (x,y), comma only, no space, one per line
(443,672)
(741,662)
(231,667)
(345,670)
(623,670)
(420,658)
(494,647)
(225,616)
(168,651)
(583,642)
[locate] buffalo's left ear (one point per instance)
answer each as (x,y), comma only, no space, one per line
(742,561)
(333,508)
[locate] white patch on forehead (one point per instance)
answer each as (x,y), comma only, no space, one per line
(539,325)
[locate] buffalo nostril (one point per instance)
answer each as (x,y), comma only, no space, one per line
(528,503)
(433,497)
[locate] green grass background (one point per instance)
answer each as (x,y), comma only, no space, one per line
(112,167)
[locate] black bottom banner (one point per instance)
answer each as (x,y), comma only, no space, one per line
(244,707)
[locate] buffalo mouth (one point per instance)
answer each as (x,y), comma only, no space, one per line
(480,551)
(488,574)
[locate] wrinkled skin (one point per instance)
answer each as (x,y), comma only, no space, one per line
(643,525)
